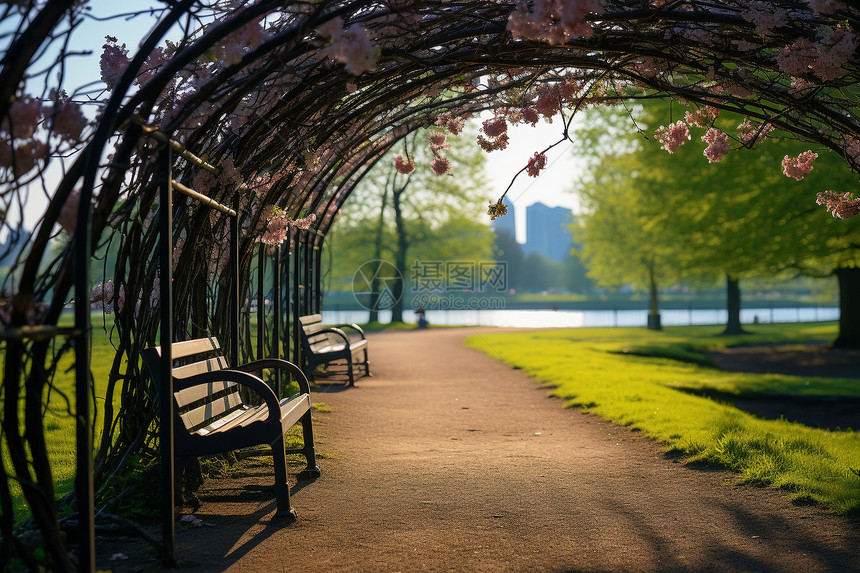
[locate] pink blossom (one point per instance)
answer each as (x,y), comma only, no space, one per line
(826,6)
(233,47)
(536,164)
(24,114)
(497,209)
(530,115)
(451,123)
(834,52)
(27,154)
(548,102)
(852,149)
(753,134)
(703,117)
(440,166)
(718,145)
(839,205)
(276,231)
(303,223)
(120,300)
(68,217)
(68,121)
(673,137)
(765,17)
(351,46)
(438,141)
(552,21)
(404,166)
(495,127)
(154,61)
(500,142)
(113,62)
(800,166)
(797,58)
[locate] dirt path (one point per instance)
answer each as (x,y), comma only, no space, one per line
(447,460)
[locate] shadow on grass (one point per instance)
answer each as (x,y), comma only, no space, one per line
(825,412)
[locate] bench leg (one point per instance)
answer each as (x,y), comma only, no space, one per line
(282,486)
(366,364)
(311,472)
(349,369)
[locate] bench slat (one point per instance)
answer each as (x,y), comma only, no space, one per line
(192,347)
(223,406)
(311,318)
(209,365)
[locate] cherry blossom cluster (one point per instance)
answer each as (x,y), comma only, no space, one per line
(496,132)
(536,164)
(25,133)
(278,223)
(404,166)
(840,205)
(33,311)
(752,134)
(351,46)
(553,21)
(497,209)
(101,296)
(454,124)
(718,145)
(703,117)
(800,166)
(673,137)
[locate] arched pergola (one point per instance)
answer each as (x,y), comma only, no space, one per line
(293,103)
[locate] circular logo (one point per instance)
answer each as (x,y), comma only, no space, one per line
(377,285)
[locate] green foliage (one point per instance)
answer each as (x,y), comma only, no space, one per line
(606,372)
(740,217)
(441,214)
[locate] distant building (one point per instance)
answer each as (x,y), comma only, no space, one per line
(548,231)
(507,223)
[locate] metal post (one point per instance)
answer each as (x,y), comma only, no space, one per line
(261,299)
(165,255)
(307,259)
(296,311)
(234,285)
(285,309)
(83,423)
(276,320)
(318,277)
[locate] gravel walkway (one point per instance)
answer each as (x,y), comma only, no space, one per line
(446,460)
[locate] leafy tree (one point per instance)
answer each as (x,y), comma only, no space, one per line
(739,217)
(404,218)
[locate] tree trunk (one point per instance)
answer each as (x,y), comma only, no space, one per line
(377,255)
(400,254)
(654,313)
(849,307)
(733,306)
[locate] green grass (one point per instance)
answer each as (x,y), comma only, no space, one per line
(642,379)
(59,421)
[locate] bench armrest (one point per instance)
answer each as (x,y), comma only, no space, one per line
(237,376)
(338,332)
(277,363)
(352,326)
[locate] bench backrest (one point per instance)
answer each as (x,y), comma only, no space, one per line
(313,338)
(199,405)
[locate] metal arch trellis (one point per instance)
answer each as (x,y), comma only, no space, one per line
(471,43)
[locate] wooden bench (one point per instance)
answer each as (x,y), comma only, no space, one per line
(211,416)
(322,344)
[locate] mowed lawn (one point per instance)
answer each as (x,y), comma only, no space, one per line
(656,382)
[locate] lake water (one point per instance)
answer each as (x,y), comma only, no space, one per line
(592,318)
